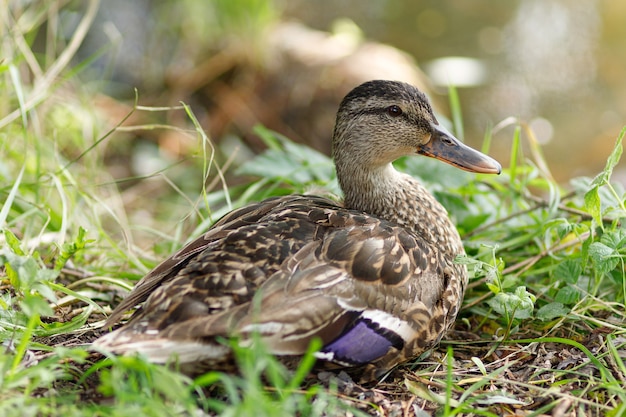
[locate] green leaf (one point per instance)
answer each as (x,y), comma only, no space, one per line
(22,270)
(519,304)
(616,154)
(569,270)
(563,228)
(604,257)
(29,278)
(272,140)
(592,204)
(13,242)
(71,249)
(434,173)
(611,162)
(592,197)
(291,162)
(551,311)
(600,252)
(51,329)
(471,222)
(568,295)
(493,287)
(34,305)
(614,238)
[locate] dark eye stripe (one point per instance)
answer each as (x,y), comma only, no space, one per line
(385,110)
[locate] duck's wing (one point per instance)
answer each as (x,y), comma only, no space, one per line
(368,289)
(245,217)
(370,294)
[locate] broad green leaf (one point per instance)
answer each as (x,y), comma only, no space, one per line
(436,174)
(568,295)
(569,270)
(471,222)
(604,257)
(34,305)
(551,311)
(614,238)
(509,281)
(290,162)
(22,270)
(592,204)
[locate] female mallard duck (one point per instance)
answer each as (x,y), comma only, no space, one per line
(374,279)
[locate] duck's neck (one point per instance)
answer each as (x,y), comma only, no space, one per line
(399,198)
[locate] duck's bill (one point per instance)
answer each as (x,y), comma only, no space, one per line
(445,147)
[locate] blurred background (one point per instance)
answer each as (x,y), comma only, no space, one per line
(557,65)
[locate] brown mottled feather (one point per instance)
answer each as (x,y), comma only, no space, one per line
(298,267)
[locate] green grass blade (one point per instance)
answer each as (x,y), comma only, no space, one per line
(6,207)
(515,150)
(455,110)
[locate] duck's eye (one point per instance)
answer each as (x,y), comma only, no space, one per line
(394,111)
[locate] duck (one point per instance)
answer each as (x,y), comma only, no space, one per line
(373,278)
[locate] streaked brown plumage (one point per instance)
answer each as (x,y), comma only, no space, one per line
(374,278)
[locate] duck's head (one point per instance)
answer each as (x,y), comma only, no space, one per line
(380,121)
